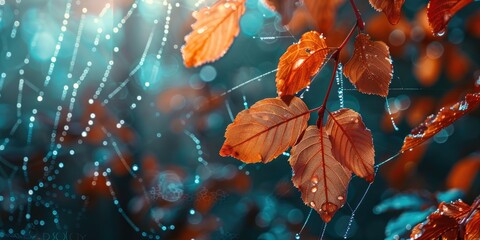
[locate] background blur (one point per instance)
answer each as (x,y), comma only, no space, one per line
(104,134)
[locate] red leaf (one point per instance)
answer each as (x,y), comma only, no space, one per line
(443,223)
(352,143)
(285,8)
(323,12)
(472,230)
(267,129)
(370,68)
(434,124)
(300,63)
(391,8)
(438,226)
(321,179)
(213,32)
(440,12)
(456,210)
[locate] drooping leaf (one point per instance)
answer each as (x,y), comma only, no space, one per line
(323,12)
(300,63)
(285,8)
(463,173)
(472,230)
(434,124)
(391,8)
(213,32)
(398,226)
(321,179)
(352,143)
(370,68)
(264,131)
(440,12)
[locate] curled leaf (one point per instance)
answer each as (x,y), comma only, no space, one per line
(391,8)
(435,123)
(267,129)
(352,143)
(321,179)
(213,32)
(370,68)
(300,63)
(440,12)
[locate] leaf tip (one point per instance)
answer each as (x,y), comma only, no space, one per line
(227,150)
(327,210)
(370,178)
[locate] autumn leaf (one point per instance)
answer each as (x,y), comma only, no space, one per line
(472,230)
(300,63)
(370,68)
(434,124)
(391,8)
(285,8)
(463,173)
(438,226)
(440,12)
(267,129)
(321,179)
(323,12)
(443,223)
(213,32)
(352,143)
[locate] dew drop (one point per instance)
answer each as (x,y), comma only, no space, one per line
(312,204)
(315,180)
(440,33)
(340,198)
(314,189)
(297,236)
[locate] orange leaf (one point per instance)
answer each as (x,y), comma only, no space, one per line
(463,174)
(267,129)
(472,230)
(370,68)
(285,8)
(321,179)
(434,124)
(213,32)
(391,8)
(352,143)
(300,63)
(323,12)
(440,12)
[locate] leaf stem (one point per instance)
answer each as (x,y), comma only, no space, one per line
(335,56)
(350,34)
(360,23)
(321,111)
